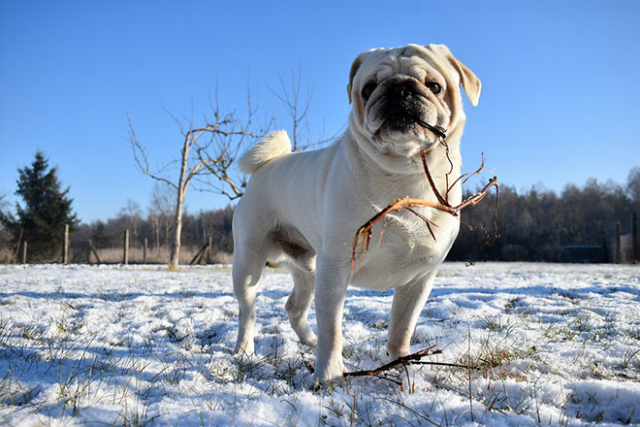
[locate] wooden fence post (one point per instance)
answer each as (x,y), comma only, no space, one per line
(24,252)
(144,250)
(16,252)
(199,255)
(65,253)
(618,256)
(635,244)
(209,250)
(125,259)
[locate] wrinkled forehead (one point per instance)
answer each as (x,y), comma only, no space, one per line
(412,60)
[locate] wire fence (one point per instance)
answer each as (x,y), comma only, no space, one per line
(84,252)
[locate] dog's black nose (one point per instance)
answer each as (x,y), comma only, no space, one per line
(401,91)
(402,106)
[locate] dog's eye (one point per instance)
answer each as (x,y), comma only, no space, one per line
(434,87)
(367,90)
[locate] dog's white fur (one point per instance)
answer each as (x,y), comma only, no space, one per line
(304,208)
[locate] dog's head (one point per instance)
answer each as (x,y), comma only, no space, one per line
(401,95)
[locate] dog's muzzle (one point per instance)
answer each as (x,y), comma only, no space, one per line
(403,107)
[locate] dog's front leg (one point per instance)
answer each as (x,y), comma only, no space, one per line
(408,301)
(331,288)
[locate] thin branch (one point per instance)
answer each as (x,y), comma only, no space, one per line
(141,159)
(363,235)
(219,168)
(364,232)
(468,175)
(290,99)
(441,199)
(177,121)
(410,359)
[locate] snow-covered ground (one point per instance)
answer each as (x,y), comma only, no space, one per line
(108,345)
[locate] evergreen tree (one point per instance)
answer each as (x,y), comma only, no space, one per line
(46,210)
(4,234)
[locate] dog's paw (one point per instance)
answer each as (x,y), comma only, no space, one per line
(310,340)
(244,348)
(331,375)
(397,351)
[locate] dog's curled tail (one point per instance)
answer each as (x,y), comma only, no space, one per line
(273,145)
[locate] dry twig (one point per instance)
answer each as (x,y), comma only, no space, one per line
(363,235)
(411,359)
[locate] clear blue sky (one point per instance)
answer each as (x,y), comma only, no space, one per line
(560,100)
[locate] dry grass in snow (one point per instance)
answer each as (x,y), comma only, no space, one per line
(92,345)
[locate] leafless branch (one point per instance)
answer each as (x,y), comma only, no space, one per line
(363,235)
(142,161)
(411,359)
(290,97)
(222,137)
(218,155)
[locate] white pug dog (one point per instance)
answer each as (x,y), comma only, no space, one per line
(304,208)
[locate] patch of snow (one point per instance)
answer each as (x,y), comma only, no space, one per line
(546,344)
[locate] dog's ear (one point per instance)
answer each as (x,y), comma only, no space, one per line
(470,82)
(354,69)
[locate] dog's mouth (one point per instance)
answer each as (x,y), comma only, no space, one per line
(438,130)
(405,110)
(410,123)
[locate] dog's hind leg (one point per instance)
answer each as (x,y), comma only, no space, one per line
(297,306)
(247,269)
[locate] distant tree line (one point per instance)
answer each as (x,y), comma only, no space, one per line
(156,228)
(45,209)
(536,225)
(533,225)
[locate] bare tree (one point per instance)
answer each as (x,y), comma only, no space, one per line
(194,161)
(219,153)
(131,216)
(209,152)
(297,109)
(296,105)
(160,212)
